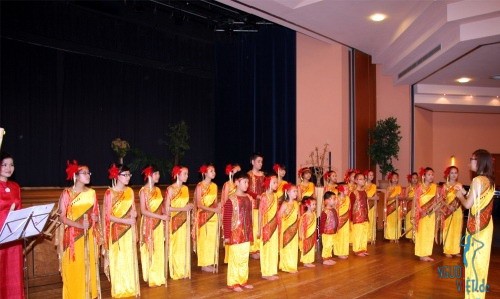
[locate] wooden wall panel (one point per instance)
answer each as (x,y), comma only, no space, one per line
(364,106)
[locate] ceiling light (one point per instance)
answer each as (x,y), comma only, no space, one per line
(463,80)
(377,17)
(495,77)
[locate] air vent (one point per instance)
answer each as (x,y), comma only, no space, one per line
(419,61)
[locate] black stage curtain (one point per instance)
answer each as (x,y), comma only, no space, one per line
(74,78)
(255,81)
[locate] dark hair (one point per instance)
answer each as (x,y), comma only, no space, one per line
(5,155)
(240,175)
(255,156)
(328,195)
(484,164)
(121,168)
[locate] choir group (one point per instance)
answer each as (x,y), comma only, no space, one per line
(259,216)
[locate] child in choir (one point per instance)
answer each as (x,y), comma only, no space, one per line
(359,201)
(152,229)
(227,190)
(330,181)
(74,203)
(280,172)
(341,238)
(177,204)
(451,214)
(349,179)
(288,217)
(237,221)
(120,234)
(409,210)
(306,187)
(392,223)
(427,202)
(328,227)
(255,189)
(371,192)
(268,229)
(307,232)
(207,220)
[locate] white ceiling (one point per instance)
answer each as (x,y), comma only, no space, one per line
(464,34)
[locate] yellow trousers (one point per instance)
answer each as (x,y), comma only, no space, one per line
(359,236)
(237,268)
(327,242)
(373,223)
(452,232)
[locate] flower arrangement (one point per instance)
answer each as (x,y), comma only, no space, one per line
(317,162)
(120,147)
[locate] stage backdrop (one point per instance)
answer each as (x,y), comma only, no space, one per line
(75,77)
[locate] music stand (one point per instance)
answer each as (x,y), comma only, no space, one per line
(25,223)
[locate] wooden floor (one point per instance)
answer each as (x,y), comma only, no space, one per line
(391,271)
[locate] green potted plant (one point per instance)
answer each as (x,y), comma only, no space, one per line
(384,144)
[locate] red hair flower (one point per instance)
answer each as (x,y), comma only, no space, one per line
(447,171)
(267,181)
(203,169)
(229,168)
(277,167)
(421,172)
(148,171)
(113,172)
(175,171)
(287,187)
(304,170)
(71,168)
(408,177)
(390,175)
(341,188)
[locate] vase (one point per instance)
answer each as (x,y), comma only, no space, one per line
(318,194)
(383,184)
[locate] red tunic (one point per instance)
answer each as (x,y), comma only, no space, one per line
(255,187)
(359,204)
(237,219)
(11,254)
(328,222)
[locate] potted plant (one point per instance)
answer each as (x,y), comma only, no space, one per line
(384,144)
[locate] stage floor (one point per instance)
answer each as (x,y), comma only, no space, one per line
(391,271)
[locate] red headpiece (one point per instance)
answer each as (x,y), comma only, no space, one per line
(390,175)
(408,177)
(276,168)
(71,168)
(341,188)
(447,171)
(175,171)
(203,169)
(421,172)
(267,181)
(113,172)
(348,174)
(366,172)
(229,168)
(287,187)
(304,170)
(326,175)
(148,171)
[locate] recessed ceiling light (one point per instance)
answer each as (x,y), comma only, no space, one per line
(495,77)
(463,80)
(377,17)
